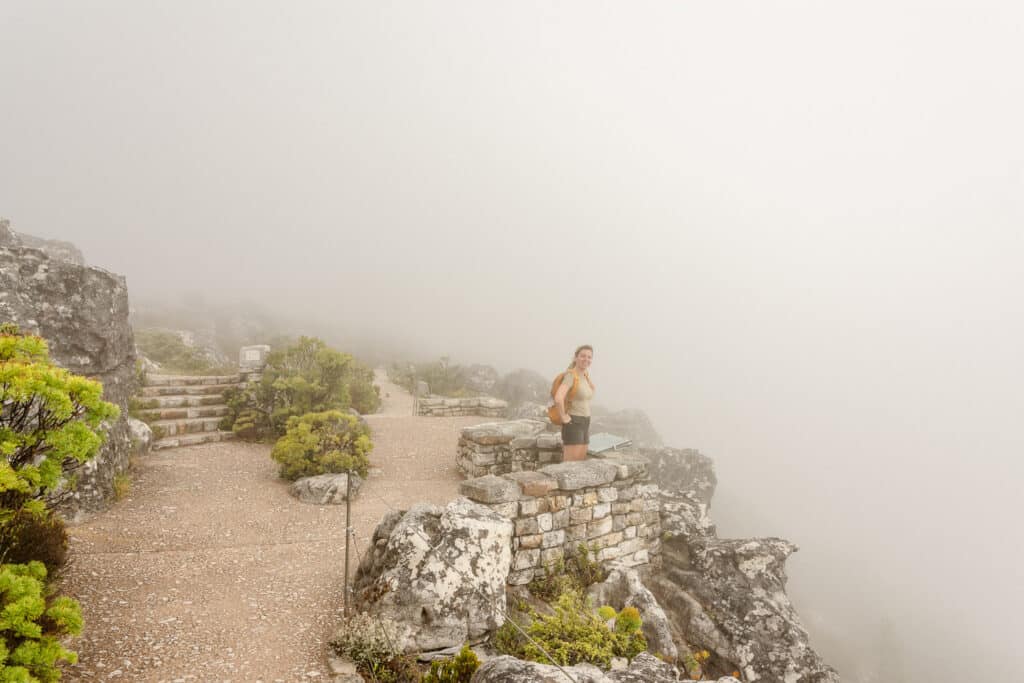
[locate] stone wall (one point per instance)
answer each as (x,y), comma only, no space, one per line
(503,447)
(439,406)
(82,313)
(608,504)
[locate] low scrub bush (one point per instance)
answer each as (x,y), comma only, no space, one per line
(317,443)
(31,626)
(29,536)
(458,669)
(372,645)
(575,573)
(306,377)
(174,355)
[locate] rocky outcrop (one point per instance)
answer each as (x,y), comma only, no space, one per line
(82,312)
(624,588)
(522,386)
(438,572)
(480,379)
(686,482)
(325,489)
(643,669)
(632,424)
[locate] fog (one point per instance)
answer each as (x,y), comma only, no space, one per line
(792,232)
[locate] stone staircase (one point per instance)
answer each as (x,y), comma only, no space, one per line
(185,410)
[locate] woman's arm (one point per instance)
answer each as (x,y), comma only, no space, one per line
(560,395)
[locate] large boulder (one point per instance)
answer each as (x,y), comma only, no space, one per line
(325,489)
(439,573)
(82,313)
(480,379)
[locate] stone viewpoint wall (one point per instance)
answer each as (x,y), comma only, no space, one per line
(607,504)
(502,447)
(439,406)
(82,313)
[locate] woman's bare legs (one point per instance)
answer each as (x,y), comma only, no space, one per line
(574,453)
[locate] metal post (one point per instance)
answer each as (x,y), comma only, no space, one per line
(348,531)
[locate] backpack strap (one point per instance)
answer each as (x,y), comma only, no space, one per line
(575,386)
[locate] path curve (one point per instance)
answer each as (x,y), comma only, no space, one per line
(210,571)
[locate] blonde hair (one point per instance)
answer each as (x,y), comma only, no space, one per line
(585,347)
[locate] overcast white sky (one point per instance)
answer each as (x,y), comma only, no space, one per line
(792,231)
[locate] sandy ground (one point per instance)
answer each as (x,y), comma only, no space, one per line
(210,571)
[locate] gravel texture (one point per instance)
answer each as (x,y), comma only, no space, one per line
(210,571)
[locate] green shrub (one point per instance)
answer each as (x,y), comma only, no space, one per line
(575,573)
(574,634)
(306,377)
(51,423)
(458,669)
(443,378)
(122,485)
(30,628)
(317,443)
(173,354)
(40,537)
(606,612)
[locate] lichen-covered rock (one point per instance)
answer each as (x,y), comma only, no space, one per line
(686,482)
(643,669)
(646,668)
(625,588)
(141,435)
(58,250)
(728,597)
(439,573)
(82,313)
(325,489)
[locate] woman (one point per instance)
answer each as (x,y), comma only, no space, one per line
(576,416)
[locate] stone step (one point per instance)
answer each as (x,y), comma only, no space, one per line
(156,402)
(189,380)
(183,412)
(192,440)
(164,428)
(190,390)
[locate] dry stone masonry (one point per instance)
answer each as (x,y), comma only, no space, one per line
(185,410)
(502,447)
(439,406)
(606,504)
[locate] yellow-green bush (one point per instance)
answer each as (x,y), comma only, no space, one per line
(317,443)
(575,573)
(573,634)
(31,628)
(458,669)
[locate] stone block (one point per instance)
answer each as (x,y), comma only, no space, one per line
(560,519)
(490,489)
(532,506)
(602,510)
(626,493)
(636,505)
(501,432)
(620,508)
(525,559)
(549,441)
(530,541)
(599,527)
(526,526)
(509,510)
(631,546)
(578,515)
(652,517)
(549,556)
(573,476)
(534,483)
(524,442)
(651,505)
(544,521)
(483,459)
(641,556)
(556,503)
(576,533)
(553,538)
(629,532)
(607,494)
(609,553)
(618,522)
(629,465)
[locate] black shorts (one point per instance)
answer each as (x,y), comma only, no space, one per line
(577,432)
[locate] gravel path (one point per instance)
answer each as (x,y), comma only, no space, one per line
(210,571)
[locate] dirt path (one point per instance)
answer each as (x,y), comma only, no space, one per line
(210,571)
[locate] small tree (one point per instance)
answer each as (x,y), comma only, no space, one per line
(50,423)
